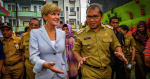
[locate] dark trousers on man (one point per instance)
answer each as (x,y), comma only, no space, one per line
(118,67)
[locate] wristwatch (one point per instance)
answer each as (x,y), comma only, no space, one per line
(133,60)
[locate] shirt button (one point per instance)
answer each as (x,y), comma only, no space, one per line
(54,53)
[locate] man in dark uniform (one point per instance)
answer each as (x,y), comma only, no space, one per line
(116,64)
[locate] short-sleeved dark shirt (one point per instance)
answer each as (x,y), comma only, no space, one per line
(2,55)
(121,40)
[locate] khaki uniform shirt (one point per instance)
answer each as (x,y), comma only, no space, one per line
(11,50)
(25,43)
(96,45)
(129,41)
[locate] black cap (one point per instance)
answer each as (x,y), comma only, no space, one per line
(6,25)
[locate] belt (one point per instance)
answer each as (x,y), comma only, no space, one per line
(13,63)
(95,67)
(27,58)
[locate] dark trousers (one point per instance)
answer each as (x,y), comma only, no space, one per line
(118,67)
(24,76)
(79,74)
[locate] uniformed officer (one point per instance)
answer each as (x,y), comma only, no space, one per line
(93,43)
(129,42)
(33,24)
(13,67)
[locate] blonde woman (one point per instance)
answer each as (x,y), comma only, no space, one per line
(47,46)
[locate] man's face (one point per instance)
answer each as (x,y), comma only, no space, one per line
(114,23)
(7,32)
(34,24)
(93,18)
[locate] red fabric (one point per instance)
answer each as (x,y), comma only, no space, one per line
(147,48)
(148,24)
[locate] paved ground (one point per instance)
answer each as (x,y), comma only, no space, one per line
(133,74)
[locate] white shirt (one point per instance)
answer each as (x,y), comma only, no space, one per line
(53,43)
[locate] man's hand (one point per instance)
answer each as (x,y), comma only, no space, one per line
(50,66)
(132,63)
(121,57)
(3,70)
(81,60)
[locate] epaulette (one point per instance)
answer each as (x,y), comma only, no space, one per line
(26,33)
(80,30)
(110,27)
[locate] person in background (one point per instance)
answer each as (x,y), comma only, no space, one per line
(147,53)
(2,56)
(33,24)
(116,64)
(27,29)
(47,46)
(72,63)
(18,34)
(129,42)
(13,67)
(140,36)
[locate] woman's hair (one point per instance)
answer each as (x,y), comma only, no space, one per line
(124,27)
(144,24)
(49,8)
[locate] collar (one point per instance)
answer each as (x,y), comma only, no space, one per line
(126,36)
(13,37)
(88,27)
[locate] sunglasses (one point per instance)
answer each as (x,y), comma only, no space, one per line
(34,25)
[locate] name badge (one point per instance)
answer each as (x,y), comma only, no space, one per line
(17,46)
(87,38)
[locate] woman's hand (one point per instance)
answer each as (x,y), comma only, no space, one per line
(50,66)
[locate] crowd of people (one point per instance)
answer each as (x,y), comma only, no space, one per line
(97,51)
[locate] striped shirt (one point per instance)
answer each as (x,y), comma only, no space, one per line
(147,48)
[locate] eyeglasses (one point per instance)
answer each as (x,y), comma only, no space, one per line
(93,17)
(34,25)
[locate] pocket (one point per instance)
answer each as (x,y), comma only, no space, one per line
(62,62)
(87,45)
(106,42)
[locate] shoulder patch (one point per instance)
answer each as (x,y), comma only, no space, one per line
(26,33)
(80,30)
(110,27)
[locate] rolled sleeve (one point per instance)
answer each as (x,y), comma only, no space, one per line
(115,43)
(34,53)
(77,45)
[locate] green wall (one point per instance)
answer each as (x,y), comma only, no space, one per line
(134,7)
(20,28)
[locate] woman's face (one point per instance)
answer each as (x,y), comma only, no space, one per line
(66,30)
(123,31)
(52,18)
(141,28)
(119,29)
